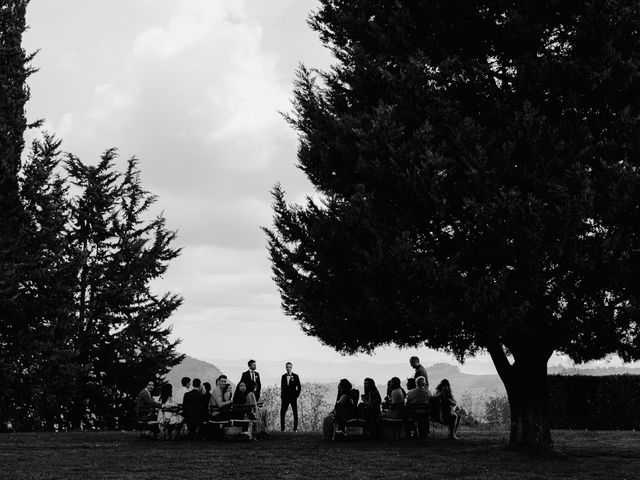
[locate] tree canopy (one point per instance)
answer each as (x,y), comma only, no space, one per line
(476,165)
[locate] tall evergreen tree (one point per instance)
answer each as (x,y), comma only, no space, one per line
(478,169)
(80,327)
(50,374)
(120,337)
(14,93)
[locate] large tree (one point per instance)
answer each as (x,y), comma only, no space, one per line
(476,168)
(81,328)
(14,70)
(120,334)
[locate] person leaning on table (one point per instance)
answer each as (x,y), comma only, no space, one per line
(146,405)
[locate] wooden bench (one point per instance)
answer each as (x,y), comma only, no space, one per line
(231,423)
(353,429)
(147,421)
(417,418)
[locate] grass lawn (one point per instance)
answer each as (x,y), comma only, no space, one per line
(479,454)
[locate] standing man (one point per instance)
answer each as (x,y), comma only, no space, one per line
(420,371)
(254,376)
(289,392)
(184,388)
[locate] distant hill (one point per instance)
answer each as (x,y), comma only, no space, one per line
(193,368)
(471,390)
(329,373)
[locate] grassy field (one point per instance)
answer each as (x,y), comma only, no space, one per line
(479,454)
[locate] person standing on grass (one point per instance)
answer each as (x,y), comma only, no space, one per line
(179,396)
(289,392)
(420,371)
(254,376)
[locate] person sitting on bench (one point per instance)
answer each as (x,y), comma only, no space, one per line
(221,399)
(396,400)
(169,420)
(446,402)
(345,409)
(369,408)
(418,408)
(194,409)
(146,406)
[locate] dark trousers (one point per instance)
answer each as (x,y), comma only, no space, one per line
(283,411)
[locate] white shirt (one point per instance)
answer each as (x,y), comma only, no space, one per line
(179,396)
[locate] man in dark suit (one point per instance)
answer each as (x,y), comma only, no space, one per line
(254,376)
(194,408)
(289,392)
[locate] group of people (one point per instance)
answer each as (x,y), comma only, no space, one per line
(196,401)
(398,404)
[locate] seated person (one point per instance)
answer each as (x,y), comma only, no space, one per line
(146,406)
(194,408)
(387,397)
(411,384)
(221,399)
(369,408)
(207,392)
(169,418)
(446,414)
(418,396)
(396,401)
(345,408)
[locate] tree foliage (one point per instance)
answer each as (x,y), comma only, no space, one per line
(15,68)
(476,165)
(81,329)
(93,330)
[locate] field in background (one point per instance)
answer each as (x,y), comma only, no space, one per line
(479,454)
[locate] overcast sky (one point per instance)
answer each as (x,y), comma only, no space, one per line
(193,88)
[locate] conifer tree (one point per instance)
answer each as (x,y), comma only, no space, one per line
(14,93)
(121,339)
(50,374)
(478,170)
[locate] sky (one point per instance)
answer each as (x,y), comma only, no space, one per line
(195,90)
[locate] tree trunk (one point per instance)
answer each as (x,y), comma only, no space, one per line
(527,392)
(526,383)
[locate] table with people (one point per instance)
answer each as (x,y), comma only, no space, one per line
(412,409)
(199,410)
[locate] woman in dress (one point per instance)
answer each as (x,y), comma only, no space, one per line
(240,395)
(169,420)
(259,414)
(370,406)
(396,400)
(446,402)
(345,408)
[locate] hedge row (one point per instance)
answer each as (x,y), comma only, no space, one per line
(609,402)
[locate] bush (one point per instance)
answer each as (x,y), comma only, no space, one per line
(594,403)
(312,407)
(497,411)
